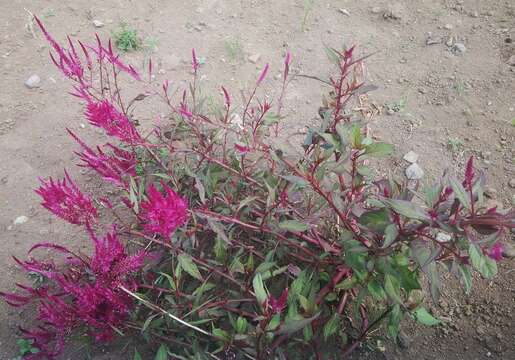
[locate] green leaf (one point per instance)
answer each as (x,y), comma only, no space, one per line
(408,209)
(137,356)
(460,193)
(390,234)
(379,149)
(219,230)
(424,317)
(376,290)
(394,320)
(221,334)
(189,266)
(355,137)
(241,325)
(486,266)
(293,225)
(162,353)
(201,190)
(466,276)
(291,326)
(297,180)
(332,326)
(376,220)
(259,289)
(392,287)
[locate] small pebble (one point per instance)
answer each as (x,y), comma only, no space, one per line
(448,27)
(511,183)
(414,172)
(344,12)
(33,81)
(254,58)
(411,157)
(20,220)
(97,23)
(376,10)
(459,48)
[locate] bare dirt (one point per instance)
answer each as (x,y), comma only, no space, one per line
(446,91)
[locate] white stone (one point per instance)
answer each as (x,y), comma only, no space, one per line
(254,58)
(20,220)
(33,81)
(414,172)
(411,157)
(98,23)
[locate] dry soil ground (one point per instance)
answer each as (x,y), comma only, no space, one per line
(445,71)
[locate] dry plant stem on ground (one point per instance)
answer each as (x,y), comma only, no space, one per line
(246,250)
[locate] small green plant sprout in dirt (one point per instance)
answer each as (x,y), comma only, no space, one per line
(455,145)
(26,349)
(397,106)
(228,245)
(233,49)
(307,9)
(126,38)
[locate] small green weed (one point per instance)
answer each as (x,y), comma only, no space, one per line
(455,144)
(233,49)
(126,38)
(25,348)
(397,106)
(308,7)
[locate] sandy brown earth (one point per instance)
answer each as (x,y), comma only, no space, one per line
(445,71)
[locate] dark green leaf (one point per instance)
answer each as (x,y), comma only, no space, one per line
(297,180)
(332,326)
(460,192)
(376,220)
(390,234)
(394,320)
(293,225)
(376,290)
(162,353)
(189,266)
(408,209)
(392,287)
(137,356)
(466,276)
(291,326)
(259,289)
(379,149)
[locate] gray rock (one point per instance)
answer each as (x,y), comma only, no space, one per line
(414,172)
(33,81)
(344,12)
(511,183)
(508,251)
(411,157)
(97,23)
(459,48)
(254,58)
(491,193)
(376,10)
(20,220)
(448,27)
(511,60)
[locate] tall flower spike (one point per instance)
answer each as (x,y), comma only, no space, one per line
(469,172)
(163,214)
(65,200)
(111,167)
(104,115)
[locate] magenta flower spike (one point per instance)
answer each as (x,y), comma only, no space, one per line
(263,74)
(163,214)
(111,167)
(65,200)
(104,115)
(496,251)
(194,61)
